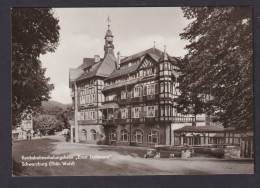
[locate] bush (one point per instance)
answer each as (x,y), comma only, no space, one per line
(102,142)
(208,152)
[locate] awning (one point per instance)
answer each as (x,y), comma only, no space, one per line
(109,105)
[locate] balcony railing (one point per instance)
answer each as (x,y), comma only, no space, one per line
(87,122)
(137,120)
(108,122)
(123,120)
(137,99)
(124,101)
(151,97)
(183,119)
(151,119)
(111,101)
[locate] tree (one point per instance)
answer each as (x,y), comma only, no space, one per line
(67,117)
(46,124)
(35,31)
(219,63)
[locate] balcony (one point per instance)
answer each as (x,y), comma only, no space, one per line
(137,120)
(87,122)
(108,122)
(125,101)
(151,119)
(111,101)
(137,99)
(151,98)
(183,119)
(82,106)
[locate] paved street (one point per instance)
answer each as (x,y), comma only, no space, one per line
(110,160)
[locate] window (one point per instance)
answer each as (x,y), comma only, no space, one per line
(162,111)
(165,65)
(162,87)
(93,98)
(148,72)
(123,94)
(124,113)
(93,134)
(110,114)
(150,111)
(153,137)
(161,66)
(112,135)
(145,90)
(124,136)
(156,88)
(167,113)
(136,112)
(90,99)
(137,92)
(94,115)
(138,136)
(83,134)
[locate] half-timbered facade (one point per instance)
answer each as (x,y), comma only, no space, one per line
(127,101)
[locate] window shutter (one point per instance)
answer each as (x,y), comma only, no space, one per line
(132,112)
(141,112)
(145,110)
(140,91)
(156,110)
(126,112)
(119,114)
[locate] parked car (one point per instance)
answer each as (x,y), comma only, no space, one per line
(65,131)
(163,152)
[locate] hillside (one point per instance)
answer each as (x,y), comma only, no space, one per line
(51,104)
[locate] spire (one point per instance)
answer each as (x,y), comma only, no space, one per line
(108,38)
(164,56)
(108,21)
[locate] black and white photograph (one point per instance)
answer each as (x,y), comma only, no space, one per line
(132,91)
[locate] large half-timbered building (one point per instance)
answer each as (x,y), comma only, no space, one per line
(127,101)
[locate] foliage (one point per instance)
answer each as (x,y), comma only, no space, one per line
(219,63)
(58,119)
(45,123)
(35,31)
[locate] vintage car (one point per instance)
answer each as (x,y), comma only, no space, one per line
(163,152)
(151,153)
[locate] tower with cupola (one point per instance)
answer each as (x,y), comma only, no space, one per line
(108,39)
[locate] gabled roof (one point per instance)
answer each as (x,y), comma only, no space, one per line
(131,69)
(93,72)
(124,71)
(153,51)
(74,74)
(103,68)
(87,62)
(108,65)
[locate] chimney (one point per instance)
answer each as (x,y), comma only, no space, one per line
(97,58)
(118,59)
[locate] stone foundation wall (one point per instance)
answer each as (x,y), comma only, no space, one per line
(88,137)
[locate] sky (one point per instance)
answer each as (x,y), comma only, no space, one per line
(135,29)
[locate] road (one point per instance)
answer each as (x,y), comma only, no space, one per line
(96,160)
